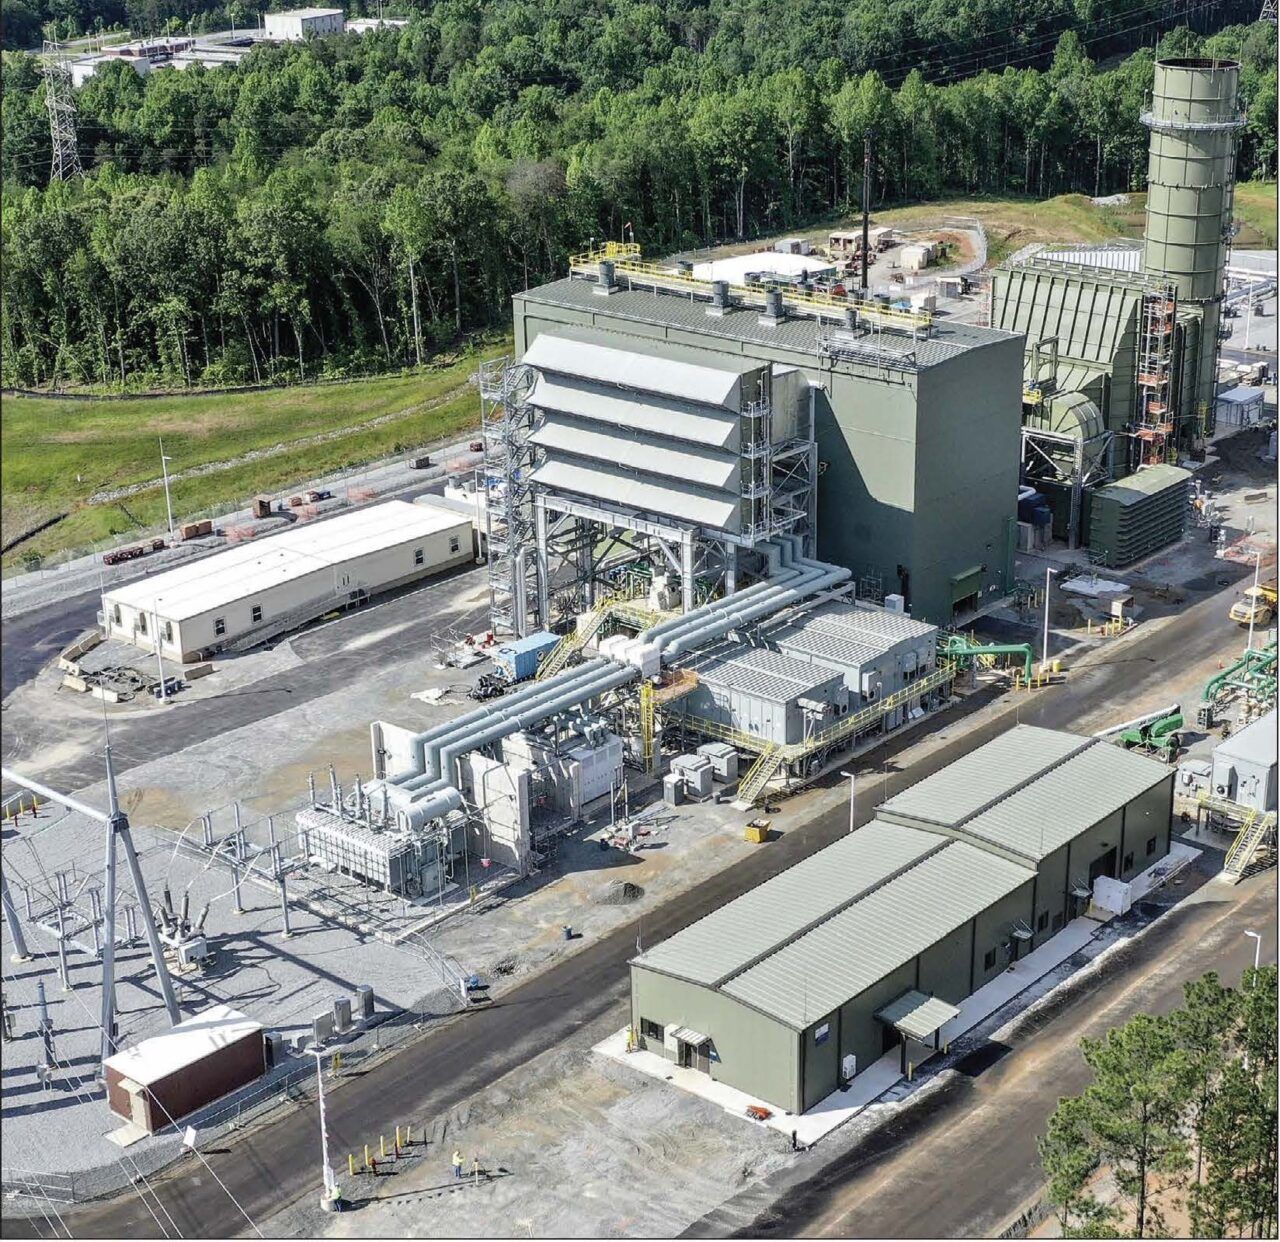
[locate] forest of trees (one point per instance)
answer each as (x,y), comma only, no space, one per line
(1182,1114)
(282,219)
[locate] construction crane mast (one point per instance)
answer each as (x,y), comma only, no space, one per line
(59,99)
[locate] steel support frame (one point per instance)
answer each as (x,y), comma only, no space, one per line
(507,423)
(1079,462)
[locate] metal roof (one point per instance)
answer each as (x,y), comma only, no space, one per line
(707,425)
(840,652)
(737,267)
(249,569)
(916,1015)
(671,461)
(762,673)
(886,927)
(1242,394)
(189,1042)
(948,340)
(1256,743)
(730,938)
(992,771)
(1116,256)
(876,626)
(619,486)
(1134,488)
(708,383)
(1057,806)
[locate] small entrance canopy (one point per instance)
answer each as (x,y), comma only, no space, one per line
(695,1039)
(916,1015)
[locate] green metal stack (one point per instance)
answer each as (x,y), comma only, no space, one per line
(1138,514)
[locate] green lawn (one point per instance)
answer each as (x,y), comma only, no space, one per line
(57,454)
(1256,210)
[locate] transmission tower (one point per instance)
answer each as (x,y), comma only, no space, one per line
(1268,13)
(60,100)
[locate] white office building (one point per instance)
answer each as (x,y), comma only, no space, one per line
(258,590)
(295,24)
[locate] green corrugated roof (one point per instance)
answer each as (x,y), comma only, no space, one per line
(1067,800)
(992,771)
(1134,488)
(859,946)
(917,1015)
(767,916)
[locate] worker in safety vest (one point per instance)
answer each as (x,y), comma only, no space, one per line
(457,1164)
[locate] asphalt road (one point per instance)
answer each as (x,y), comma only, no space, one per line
(32,640)
(272,1166)
(330,654)
(964,1162)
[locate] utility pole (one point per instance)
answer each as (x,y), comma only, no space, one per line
(866,204)
(59,101)
(164,470)
(329,1193)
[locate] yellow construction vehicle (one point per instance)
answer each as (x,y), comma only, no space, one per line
(1256,606)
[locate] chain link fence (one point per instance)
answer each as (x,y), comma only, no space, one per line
(29,1192)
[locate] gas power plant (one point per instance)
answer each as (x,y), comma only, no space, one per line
(1121,341)
(747,510)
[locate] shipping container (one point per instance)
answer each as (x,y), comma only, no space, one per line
(521,658)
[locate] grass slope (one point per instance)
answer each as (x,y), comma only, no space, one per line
(55,455)
(1256,210)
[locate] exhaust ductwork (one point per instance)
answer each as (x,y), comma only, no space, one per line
(430,791)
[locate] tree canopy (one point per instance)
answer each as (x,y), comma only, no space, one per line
(347,203)
(1182,1113)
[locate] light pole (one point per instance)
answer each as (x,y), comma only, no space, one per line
(155,621)
(329,1194)
(1256,937)
(1044,650)
(1253,599)
(852,790)
(164,470)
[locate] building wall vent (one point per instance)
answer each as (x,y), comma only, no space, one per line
(607,284)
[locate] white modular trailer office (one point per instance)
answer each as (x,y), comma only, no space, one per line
(271,585)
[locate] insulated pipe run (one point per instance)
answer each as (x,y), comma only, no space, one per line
(522,700)
(441,795)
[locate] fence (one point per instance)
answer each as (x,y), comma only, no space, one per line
(26,1191)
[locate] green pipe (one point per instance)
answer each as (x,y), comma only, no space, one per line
(1257,660)
(957,648)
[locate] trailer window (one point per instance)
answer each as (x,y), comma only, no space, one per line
(219,626)
(255,613)
(1151,846)
(1043,921)
(142,623)
(650,1029)
(168,631)
(989,960)
(115,613)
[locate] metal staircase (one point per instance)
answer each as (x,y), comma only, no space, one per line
(1256,833)
(619,607)
(760,773)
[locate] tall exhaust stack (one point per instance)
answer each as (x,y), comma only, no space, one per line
(1194,121)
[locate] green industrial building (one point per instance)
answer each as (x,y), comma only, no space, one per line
(873,943)
(1122,340)
(916,428)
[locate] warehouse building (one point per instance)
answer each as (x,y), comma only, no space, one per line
(1122,341)
(915,424)
(295,24)
(255,591)
(873,943)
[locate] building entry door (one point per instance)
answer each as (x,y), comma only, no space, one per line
(1106,865)
(691,1056)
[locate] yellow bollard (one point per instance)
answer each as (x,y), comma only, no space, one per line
(351,1164)
(382,1146)
(337,1062)
(397,1136)
(366,1155)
